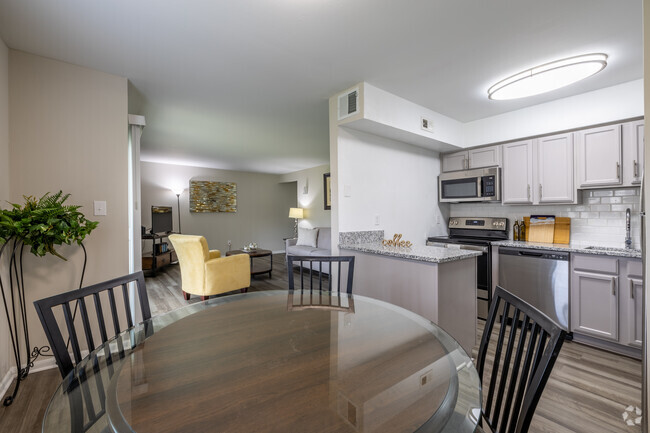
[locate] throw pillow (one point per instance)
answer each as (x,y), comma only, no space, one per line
(307,237)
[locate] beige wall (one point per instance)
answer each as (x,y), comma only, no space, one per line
(263,204)
(5,359)
(310,195)
(68,131)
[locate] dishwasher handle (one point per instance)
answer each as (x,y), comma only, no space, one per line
(530,253)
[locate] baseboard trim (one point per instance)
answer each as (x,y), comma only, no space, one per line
(7,380)
(47,363)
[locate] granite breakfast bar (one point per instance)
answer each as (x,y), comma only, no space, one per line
(439,284)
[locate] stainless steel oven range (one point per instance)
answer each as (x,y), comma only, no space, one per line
(476,234)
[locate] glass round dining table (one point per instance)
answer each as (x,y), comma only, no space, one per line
(274,361)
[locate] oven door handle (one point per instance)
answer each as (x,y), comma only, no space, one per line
(474,248)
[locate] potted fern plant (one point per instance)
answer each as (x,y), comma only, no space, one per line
(40,225)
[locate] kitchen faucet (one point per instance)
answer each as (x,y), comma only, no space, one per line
(628,238)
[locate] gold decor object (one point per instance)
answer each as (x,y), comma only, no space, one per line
(396,242)
(211,196)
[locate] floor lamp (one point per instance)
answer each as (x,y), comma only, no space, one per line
(297,213)
(178,193)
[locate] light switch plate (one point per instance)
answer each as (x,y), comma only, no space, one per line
(99,208)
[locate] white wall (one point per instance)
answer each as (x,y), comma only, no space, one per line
(68,131)
(5,351)
(623,101)
(392,180)
(393,111)
(263,204)
(311,195)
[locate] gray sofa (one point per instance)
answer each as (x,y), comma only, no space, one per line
(323,246)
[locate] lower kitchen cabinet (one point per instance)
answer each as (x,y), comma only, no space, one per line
(606,299)
(632,305)
(594,305)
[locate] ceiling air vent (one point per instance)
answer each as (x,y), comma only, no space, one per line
(348,104)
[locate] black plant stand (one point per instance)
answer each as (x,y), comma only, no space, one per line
(15,307)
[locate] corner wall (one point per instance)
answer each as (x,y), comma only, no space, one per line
(68,131)
(263,204)
(311,196)
(389,180)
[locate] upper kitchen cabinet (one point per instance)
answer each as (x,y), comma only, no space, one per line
(555,169)
(598,157)
(489,156)
(633,140)
(455,161)
(517,172)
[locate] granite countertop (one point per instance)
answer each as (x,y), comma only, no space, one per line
(419,253)
(572,248)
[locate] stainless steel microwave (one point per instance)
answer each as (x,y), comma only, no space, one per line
(482,184)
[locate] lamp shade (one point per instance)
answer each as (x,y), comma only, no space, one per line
(296,212)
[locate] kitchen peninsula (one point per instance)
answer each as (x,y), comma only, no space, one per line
(439,284)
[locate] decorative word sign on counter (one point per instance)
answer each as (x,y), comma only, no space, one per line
(396,241)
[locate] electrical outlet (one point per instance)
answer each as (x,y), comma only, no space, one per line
(376,220)
(426,378)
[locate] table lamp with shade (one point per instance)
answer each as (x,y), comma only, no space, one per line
(297,213)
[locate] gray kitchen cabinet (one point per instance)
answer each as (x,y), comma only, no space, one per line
(631,298)
(539,171)
(633,143)
(554,169)
(479,157)
(606,299)
(455,161)
(517,177)
(598,157)
(594,298)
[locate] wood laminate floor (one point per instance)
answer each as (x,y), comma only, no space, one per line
(588,390)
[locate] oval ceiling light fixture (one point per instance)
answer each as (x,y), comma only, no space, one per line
(547,77)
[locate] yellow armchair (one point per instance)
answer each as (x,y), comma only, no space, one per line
(204,272)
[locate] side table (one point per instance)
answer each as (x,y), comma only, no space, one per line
(253,255)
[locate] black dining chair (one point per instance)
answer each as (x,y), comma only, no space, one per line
(86,390)
(324,273)
(94,321)
(518,374)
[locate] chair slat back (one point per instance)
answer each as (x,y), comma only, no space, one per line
(76,300)
(525,349)
(312,276)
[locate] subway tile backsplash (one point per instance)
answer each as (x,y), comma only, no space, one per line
(599,220)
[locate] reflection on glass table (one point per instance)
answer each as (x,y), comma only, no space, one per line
(255,362)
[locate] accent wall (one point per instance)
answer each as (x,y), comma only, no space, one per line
(263,204)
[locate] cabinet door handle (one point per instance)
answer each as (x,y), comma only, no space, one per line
(636,168)
(618,170)
(466,163)
(540,191)
(528,192)
(614,287)
(631,289)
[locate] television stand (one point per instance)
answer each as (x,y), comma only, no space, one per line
(157,258)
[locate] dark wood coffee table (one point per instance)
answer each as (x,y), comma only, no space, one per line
(255,270)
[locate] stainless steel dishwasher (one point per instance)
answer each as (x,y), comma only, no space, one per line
(539,277)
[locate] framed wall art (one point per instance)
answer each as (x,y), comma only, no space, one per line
(212,196)
(327,190)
